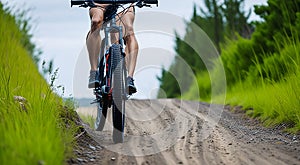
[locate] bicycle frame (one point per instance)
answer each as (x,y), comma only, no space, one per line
(109,28)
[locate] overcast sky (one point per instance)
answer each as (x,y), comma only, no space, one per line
(60,32)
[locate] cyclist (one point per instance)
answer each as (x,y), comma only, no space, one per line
(126,19)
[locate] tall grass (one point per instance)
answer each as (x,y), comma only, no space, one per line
(31,133)
(89,119)
(201,87)
(273,103)
(272,88)
(267,88)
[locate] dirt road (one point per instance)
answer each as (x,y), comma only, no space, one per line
(171,131)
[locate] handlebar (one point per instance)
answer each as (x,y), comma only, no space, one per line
(91,3)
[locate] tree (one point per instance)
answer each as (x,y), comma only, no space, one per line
(213,21)
(236,19)
(213,18)
(280,21)
(178,78)
(279,28)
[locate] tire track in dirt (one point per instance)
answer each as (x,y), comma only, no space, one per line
(170,131)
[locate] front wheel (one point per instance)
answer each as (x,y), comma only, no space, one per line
(103,103)
(101,116)
(118,93)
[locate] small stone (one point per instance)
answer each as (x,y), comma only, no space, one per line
(230,144)
(91,156)
(182,137)
(78,152)
(20,99)
(98,147)
(92,147)
(80,160)
(180,162)
(23,107)
(92,160)
(113,159)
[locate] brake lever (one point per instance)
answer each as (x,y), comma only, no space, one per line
(141,4)
(84,5)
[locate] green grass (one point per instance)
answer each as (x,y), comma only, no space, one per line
(273,103)
(89,119)
(201,88)
(269,89)
(272,87)
(274,94)
(37,135)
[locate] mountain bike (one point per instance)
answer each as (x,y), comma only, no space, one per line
(112,73)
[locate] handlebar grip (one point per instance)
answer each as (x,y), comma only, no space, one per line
(77,2)
(151,1)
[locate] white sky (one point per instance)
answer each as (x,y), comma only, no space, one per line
(60,32)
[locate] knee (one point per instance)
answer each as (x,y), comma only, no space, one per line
(96,23)
(129,30)
(131,41)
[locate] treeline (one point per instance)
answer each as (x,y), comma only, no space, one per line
(260,59)
(220,21)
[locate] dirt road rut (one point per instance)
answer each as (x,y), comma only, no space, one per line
(171,131)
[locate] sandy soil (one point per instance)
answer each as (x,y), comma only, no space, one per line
(171,131)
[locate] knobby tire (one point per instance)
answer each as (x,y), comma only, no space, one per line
(118,93)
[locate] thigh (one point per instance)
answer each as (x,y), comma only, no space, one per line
(126,19)
(98,12)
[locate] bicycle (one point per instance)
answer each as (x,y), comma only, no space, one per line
(112,93)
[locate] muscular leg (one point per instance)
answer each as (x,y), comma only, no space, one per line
(93,42)
(131,43)
(93,38)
